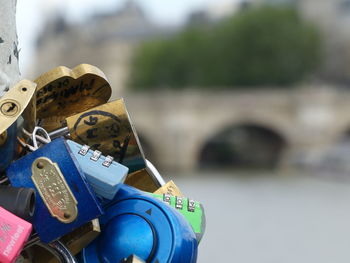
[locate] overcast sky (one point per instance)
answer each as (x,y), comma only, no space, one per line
(32,14)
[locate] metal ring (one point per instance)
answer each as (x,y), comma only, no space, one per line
(63,252)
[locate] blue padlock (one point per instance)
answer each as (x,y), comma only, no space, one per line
(64,200)
(102,173)
(8,149)
(137,224)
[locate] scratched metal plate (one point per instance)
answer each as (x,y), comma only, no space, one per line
(108,128)
(63,92)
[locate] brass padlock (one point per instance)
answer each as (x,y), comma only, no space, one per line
(63,92)
(79,238)
(14,102)
(147,179)
(12,105)
(170,188)
(141,180)
(107,128)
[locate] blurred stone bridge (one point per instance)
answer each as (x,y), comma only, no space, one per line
(175,126)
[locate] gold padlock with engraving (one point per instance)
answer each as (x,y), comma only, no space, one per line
(63,92)
(108,128)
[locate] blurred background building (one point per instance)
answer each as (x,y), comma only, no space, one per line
(107,41)
(245,105)
(295,120)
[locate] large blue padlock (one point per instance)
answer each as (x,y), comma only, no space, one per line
(135,223)
(8,149)
(64,200)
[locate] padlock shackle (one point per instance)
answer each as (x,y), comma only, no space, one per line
(63,252)
(154,173)
(56,249)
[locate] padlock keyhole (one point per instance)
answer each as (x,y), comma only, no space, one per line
(66,215)
(11,108)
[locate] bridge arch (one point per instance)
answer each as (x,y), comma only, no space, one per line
(243,145)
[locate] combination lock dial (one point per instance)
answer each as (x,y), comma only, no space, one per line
(136,223)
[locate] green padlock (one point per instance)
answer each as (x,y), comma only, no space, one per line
(192,210)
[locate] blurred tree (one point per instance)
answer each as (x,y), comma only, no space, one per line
(256,47)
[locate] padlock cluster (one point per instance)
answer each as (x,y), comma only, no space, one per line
(75,185)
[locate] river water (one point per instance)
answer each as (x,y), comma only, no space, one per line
(269,218)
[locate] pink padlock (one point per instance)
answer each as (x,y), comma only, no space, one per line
(14,232)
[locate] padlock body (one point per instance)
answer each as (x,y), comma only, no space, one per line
(104,178)
(136,223)
(14,232)
(49,227)
(192,211)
